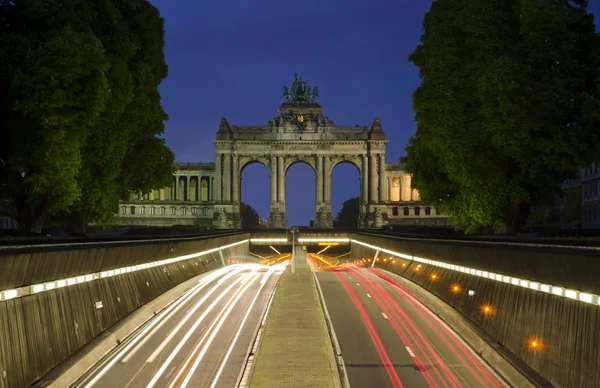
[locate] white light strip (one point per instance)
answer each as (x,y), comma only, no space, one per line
(323,240)
(252,240)
(47,286)
(530,284)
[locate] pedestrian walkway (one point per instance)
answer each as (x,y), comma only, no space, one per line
(295,348)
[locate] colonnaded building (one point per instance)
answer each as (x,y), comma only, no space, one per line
(209,193)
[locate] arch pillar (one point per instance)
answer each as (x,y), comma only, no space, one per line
(273,180)
(235,179)
(218,179)
(373,196)
(319,182)
(277,217)
(323,218)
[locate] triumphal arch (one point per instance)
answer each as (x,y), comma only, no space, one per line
(301,133)
(210,193)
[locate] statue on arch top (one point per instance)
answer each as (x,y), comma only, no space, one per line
(300,91)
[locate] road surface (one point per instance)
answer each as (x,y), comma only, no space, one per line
(200,340)
(389,339)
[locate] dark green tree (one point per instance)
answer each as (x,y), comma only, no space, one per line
(507,107)
(249,216)
(571,210)
(349,213)
(53,89)
(123,153)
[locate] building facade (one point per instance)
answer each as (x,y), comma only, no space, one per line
(210,193)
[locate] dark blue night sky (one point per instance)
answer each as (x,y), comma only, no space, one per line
(231,59)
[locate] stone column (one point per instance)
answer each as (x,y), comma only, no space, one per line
(319,179)
(280,183)
(235,176)
(365,180)
(273,180)
(373,179)
(400,188)
(389,188)
(218,180)
(327,178)
(186,188)
(382,179)
(227,179)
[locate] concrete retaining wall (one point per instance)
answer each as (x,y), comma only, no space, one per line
(567,329)
(37,332)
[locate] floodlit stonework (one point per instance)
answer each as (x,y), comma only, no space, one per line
(209,193)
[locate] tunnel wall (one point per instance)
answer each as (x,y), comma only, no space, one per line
(567,329)
(39,331)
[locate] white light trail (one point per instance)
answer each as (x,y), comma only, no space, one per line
(199,288)
(189,314)
(157,320)
(213,330)
(174,353)
(239,331)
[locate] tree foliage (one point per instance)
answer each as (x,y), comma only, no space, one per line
(80,107)
(507,107)
(124,153)
(349,213)
(249,216)
(53,88)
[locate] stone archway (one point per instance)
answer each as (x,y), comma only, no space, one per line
(245,161)
(301,132)
(363,190)
(277,147)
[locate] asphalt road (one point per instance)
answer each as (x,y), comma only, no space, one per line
(389,339)
(200,340)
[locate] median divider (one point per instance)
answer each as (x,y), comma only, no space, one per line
(295,345)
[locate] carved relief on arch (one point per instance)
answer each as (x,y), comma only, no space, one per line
(305,158)
(245,160)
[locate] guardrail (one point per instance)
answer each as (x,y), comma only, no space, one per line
(506,240)
(71,281)
(115,241)
(561,291)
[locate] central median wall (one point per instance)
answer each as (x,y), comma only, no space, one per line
(39,331)
(566,329)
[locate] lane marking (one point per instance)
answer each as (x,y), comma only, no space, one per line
(410,352)
(358,284)
(368,295)
(240,327)
(385,316)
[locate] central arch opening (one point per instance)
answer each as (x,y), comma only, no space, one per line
(345,195)
(254,195)
(300,194)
